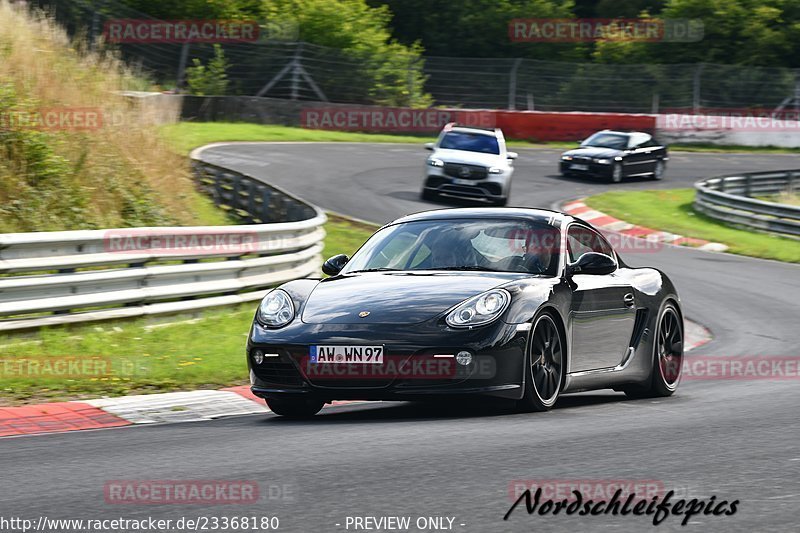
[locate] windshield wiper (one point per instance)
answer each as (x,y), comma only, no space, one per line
(465,268)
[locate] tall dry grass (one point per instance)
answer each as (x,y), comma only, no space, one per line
(120,174)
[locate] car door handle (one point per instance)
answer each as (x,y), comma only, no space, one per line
(628,299)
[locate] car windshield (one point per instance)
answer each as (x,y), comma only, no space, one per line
(471,142)
(496,245)
(607,140)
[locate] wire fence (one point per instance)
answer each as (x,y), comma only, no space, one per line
(278,67)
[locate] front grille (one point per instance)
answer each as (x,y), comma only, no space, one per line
(493,188)
(581,159)
(465,172)
(468,191)
(278,371)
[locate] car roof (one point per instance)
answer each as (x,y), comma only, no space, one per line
(615,132)
(547,216)
(478,131)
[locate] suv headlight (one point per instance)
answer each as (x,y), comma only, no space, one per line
(434,162)
(479,310)
(276,309)
(496,170)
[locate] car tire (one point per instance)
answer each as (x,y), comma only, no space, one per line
(428,196)
(665,373)
(616,173)
(544,371)
(658,172)
(296,408)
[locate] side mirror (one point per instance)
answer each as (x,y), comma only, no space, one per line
(592,263)
(429,146)
(335,264)
(512,155)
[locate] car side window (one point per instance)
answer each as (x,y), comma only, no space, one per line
(581,240)
(640,140)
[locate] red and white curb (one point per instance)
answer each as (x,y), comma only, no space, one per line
(606,222)
(171,407)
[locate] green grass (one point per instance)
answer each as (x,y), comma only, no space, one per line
(671,211)
(732,148)
(185,136)
(185,352)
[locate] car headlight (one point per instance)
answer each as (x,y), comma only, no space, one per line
(434,162)
(276,309)
(603,161)
(479,310)
(566,158)
(496,170)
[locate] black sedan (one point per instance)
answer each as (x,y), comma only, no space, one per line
(615,155)
(522,304)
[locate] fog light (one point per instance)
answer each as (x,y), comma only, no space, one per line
(464,358)
(258,357)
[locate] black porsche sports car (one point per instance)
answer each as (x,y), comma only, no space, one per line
(523,304)
(615,155)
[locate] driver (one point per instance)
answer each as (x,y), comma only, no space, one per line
(451,248)
(541,247)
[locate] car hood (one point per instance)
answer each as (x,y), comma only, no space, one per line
(593,151)
(468,158)
(394,298)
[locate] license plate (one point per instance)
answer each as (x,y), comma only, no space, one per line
(347,354)
(579,167)
(463,182)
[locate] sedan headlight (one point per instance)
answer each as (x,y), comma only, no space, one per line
(276,309)
(603,161)
(480,309)
(496,170)
(434,162)
(566,158)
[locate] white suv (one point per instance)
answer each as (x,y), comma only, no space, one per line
(469,162)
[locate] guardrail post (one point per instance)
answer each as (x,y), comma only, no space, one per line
(217,187)
(747,185)
(266,194)
(251,200)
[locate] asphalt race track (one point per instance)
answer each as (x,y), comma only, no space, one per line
(736,440)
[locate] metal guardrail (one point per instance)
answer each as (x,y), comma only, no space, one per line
(730,199)
(62,277)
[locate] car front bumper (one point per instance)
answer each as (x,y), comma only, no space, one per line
(592,169)
(410,369)
(492,187)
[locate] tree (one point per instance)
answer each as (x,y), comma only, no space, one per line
(211,79)
(746,32)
